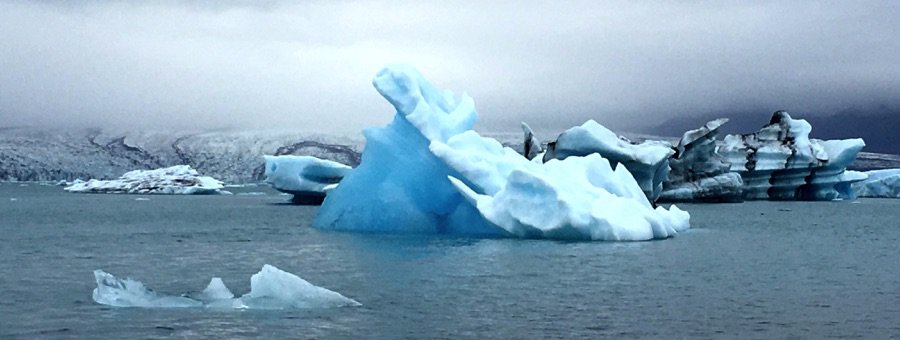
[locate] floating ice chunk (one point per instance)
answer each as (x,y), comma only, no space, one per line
(832,180)
(699,173)
(648,162)
(215,290)
(271,288)
(531,148)
(251,193)
(179,179)
(880,183)
(305,177)
(130,293)
(781,162)
(400,186)
(429,172)
(581,198)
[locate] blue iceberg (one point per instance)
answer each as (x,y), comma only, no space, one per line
(429,172)
(307,178)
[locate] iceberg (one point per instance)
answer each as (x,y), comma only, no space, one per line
(781,162)
(531,147)
(883,183)
(648,162)
(306,177)
(273,288)
(698,172)
(270,288)
(179,179)
(117,292)
(429,172)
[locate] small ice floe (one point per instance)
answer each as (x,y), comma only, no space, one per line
(13,199)
(251,193)
(270,288)
(245,185)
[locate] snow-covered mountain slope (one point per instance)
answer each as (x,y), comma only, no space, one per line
(34,154)
(28,154)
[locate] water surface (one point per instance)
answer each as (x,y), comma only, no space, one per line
(752,270)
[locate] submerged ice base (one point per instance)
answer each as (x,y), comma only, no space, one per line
(270,288)
(429,172)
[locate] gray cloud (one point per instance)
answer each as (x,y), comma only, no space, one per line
(308,66)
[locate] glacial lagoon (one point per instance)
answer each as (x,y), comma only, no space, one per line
(758,269)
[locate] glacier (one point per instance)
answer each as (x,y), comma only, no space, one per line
(698,172)
(307,178)
(429,172)
(781,162)
(883,183)
(233,156)
(270,288)
(648,162)
(179,179)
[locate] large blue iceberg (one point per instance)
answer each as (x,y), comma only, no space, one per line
(429,172)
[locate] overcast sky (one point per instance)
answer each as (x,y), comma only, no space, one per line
(188,65)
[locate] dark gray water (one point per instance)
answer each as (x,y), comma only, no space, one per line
(752,270)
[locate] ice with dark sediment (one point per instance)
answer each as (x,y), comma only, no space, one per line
(698,172)
(781,162)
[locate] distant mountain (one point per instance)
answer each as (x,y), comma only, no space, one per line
(879,127)
(35,154)
(32,154)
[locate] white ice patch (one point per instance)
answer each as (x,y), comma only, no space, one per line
(781,162)
(215,290)
(179,179)
(880,183)
(130,293)
(270,288)
(648,162)
(273,288)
